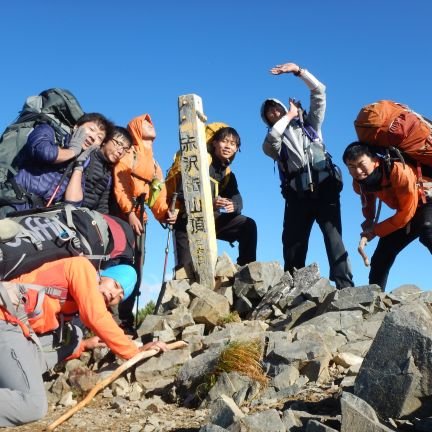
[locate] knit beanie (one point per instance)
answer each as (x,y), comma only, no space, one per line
(124,275)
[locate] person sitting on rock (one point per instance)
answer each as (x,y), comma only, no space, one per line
(223,143)
(34,339)
(398,186)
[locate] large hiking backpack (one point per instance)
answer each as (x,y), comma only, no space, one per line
(32,239)
(391,125)
(57,107)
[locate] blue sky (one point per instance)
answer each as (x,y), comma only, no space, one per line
(127,58)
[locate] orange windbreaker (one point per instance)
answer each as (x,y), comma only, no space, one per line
(81,280)
(400,192)
(134,173)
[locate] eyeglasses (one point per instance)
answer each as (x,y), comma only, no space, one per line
(120,146)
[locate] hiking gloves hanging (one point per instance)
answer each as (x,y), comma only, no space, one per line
(77,140)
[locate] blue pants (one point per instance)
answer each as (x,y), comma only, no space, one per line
(22,392)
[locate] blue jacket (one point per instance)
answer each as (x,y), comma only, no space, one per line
(39,174)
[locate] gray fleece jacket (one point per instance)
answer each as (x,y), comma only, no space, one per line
(291,135)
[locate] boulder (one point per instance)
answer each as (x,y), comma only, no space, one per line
(399,363)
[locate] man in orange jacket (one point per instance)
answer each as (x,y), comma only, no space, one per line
(24,357)
(399,187)
(138,180)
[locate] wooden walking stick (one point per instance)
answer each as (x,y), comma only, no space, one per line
(108,380)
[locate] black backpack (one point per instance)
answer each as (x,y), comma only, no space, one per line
(57,107)
(31,239)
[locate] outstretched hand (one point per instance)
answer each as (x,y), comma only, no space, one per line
(284,68)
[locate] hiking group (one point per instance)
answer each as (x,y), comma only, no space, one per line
(74,189)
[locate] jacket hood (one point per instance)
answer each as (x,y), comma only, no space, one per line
(262,109)
(135,128)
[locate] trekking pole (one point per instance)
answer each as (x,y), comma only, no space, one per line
(170,228)
(108,380)
(306,149)
(140,252)
(62,179)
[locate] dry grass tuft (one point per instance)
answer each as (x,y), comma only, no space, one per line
(230,318)
(244,358)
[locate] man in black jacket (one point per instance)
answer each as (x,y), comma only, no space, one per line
(91,182)
(230,224)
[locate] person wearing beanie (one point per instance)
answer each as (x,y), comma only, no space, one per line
(223,143)
(30,346)
(310,181)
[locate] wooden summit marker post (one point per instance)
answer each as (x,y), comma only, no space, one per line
(196,188)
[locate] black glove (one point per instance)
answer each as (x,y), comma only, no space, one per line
(77,140)
(80,160)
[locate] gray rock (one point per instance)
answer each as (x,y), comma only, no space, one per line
(152,323)
(316,426)
(175,294)
(179,318)
(300,313)
(398,363)
(225,267)
(224,411)
(405,293)
(359,416)
(160,371)
(298,353)
(291,421)
(239,332)
(274,296)
(194,370)
(268,421)
(359,348)
(287,376)
(212,428)
(243,305)
(228,384)
(306,277)
(207,307)
(254,280)
(338,321)
(362,298)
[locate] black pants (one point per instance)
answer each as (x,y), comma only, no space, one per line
(389,246)
(301,211)
(229,227)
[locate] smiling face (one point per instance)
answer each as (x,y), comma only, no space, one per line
(114,149)
(111,291)
(95,134)
(361,167)
(225,148)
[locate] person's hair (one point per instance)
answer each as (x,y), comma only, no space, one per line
(357,149)
(221,134)
(100,120)
(120,131)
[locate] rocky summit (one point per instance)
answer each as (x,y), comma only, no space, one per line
(267,351)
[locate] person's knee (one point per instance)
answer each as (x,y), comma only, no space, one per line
(37,409)
(32,408)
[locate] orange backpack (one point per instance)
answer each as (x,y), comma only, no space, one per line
(391,124)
